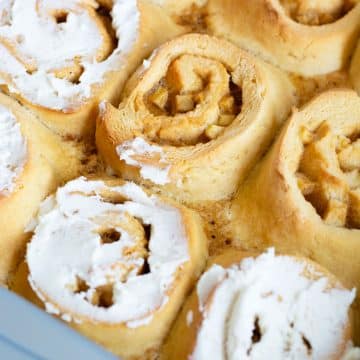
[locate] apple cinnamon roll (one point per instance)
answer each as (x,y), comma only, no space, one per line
(115,262)
(304,197)
(61,58)
(32,163)
(305,37)
(195,119)
(249,307)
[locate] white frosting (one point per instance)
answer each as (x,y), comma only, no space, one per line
(146,64)
(36,38)
(13,150)
(273,294)
(138,146)
(352,353)
(66,245)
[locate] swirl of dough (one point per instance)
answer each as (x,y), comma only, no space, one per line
(38,65)
(196,116)
(296,35)
(104,252)
(60,57)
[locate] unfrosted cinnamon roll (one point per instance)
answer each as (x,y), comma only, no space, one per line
(304,197)
(194,118)
(306,37)
(114,262)
(32,162)
(245,307)
(61,58)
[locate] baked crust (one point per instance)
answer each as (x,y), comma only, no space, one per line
(48,163)
(268,31)
(216,121)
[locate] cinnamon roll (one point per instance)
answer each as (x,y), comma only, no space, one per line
(32,163)
(194,119)
(61,58)
(305,37)
(114,262)
(304,197)
(249,307)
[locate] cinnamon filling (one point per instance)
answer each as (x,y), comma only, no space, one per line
(194,18)
(134,256)
(329,175)
(317,12)
(179,99)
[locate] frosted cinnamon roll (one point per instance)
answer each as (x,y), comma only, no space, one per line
(115,262)
(304,197)
(249,307)
(305,37)
(27,174)
(60,58)
(194,119)
(355,69)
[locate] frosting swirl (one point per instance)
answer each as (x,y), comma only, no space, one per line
(129,254)
(270,305)
(36,63)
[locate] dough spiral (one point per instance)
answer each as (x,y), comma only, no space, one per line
(61,58)
(194,119)
(305,37)
(134,270)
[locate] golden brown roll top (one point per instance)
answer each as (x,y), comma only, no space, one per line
(301,36)
(249,307)
(304,195)
(114,262)
(194,118)
(62,58)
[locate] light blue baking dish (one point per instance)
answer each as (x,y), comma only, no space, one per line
(27,333)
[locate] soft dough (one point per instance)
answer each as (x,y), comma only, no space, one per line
(194,119)
(300,36)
